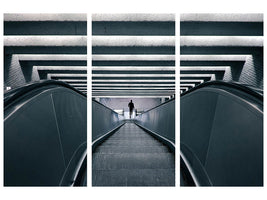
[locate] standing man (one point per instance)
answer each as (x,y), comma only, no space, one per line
(131,107)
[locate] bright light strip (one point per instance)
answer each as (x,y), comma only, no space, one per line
(192,81)
(66,68)
(133,17)
(66,75)
(213,57)
(184,88)
(184,85)
(129,96)
(204,68)
(134,85)
(229,41)
(73,80)
(216,17)
(133,81)
(78,84)
(132,57)
(133,40)
(135,88)
(61,41)
(130,68)
(55,57)
(45,17)
(130,93)
(135,91)
(79,88)
(134,75)
(196,75)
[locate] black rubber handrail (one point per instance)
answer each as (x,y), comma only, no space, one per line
(12,95)
(158,105)
(234,85)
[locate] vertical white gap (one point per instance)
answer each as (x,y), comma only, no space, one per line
(89,100)
(177,101)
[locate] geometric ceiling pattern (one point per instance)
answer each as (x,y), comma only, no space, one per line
(221,47)
(54,46)
(133,55)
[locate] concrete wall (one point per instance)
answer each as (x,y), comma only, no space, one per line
(15,74)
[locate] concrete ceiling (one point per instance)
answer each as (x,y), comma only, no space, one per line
(52,45)
(133,55)
(217,46)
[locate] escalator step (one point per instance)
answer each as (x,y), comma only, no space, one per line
(133,149)
(132,157)
(133,161)
(137,177)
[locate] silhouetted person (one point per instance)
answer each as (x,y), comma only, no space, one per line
(131,107)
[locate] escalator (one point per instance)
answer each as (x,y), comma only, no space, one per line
(45,135)
(221,135)
(132,157)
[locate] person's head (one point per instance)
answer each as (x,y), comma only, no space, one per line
(131,101)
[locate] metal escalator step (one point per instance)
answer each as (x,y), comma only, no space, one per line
(132,157)
(137,177)
(135,149)
(133,161)
(132,142)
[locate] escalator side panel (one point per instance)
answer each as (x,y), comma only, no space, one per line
(235,155)
(225,132)
(32,150)
(160,120)
(103,120)
(71,113)
(197,114)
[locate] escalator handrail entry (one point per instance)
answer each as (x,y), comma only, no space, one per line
(234,85)
(11,95)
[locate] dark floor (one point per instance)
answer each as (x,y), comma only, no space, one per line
(132,157)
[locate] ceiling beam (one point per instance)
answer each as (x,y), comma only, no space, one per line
(213,57)
(73,80)
(219,17)
(222,41)
(65,68)
(204,68)
(61,17)
(133,17)
(129,96)
(133,41)
(50,75)
(135,75)
(133,68)
(53,41)
(133,57)
(191,81)
(134,81)
(184,88)
(51,57)
(132,89)
(133,85)
(187,85)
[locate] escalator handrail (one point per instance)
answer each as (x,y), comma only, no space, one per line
(11,95)
(234,85)
(168,101)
